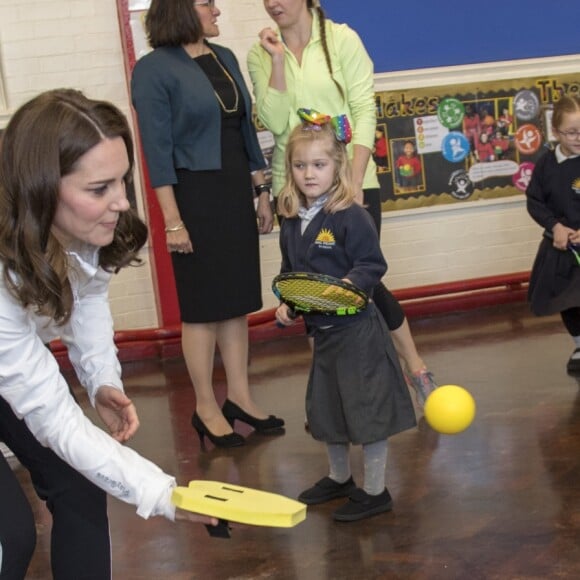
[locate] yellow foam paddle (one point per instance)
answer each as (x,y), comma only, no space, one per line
(243,505)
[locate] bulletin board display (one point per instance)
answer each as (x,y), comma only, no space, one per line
(464,142)
(445,144)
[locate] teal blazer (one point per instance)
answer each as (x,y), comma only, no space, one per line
(179,116)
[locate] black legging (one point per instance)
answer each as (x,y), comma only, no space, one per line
(80,543)
(387,304)
(571,319)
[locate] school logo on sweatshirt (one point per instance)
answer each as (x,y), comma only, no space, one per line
(576,185)
(325,239)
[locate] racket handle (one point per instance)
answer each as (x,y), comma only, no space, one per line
(291,314)
(222,530)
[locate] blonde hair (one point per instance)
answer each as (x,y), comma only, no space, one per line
(341,194)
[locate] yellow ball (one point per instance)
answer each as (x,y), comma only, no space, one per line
(449,409)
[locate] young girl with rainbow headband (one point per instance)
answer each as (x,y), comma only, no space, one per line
(308,58)
(354,395)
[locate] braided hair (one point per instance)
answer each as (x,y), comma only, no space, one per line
(315,5)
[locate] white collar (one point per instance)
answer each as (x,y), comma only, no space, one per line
(560,157)
(86,257)
(306,215)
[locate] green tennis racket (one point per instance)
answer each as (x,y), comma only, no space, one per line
(308,293)
(575,250)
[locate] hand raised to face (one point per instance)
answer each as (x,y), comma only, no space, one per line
(271,42)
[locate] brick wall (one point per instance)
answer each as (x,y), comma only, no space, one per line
(46,44)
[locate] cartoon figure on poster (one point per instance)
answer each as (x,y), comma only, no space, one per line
(460,184)
(409,169)
(380,149)
(455,147)
(522,177)
(526,105)
(528,139)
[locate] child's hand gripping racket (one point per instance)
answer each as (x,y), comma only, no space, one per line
(234,503)
(305,292)
(573,248)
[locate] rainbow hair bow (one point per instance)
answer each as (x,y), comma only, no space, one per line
(340,124)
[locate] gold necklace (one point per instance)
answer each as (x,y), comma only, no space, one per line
(224,108)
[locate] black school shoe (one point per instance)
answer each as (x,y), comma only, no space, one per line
(573,365)
(325,490)
(361,505)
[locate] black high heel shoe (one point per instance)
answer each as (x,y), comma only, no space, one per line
(270,425)
(229,440)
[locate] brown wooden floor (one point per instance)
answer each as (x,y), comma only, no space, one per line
(499,501)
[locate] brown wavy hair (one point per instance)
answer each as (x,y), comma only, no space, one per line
(42,143)
(315,5)
(342,193)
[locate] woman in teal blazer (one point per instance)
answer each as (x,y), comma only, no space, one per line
(205,164)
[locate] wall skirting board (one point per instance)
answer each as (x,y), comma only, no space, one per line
(418,302)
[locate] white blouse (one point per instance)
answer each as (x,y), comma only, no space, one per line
(31,383)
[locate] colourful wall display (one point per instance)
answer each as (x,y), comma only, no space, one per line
(445,145)
(465,142)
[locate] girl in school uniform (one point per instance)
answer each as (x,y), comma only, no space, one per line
(309,59)
(356,390)
(553,201)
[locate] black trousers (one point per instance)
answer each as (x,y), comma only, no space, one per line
(80,542)
(388,305)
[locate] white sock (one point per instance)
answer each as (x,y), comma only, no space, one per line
(338,458)
(375,458)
